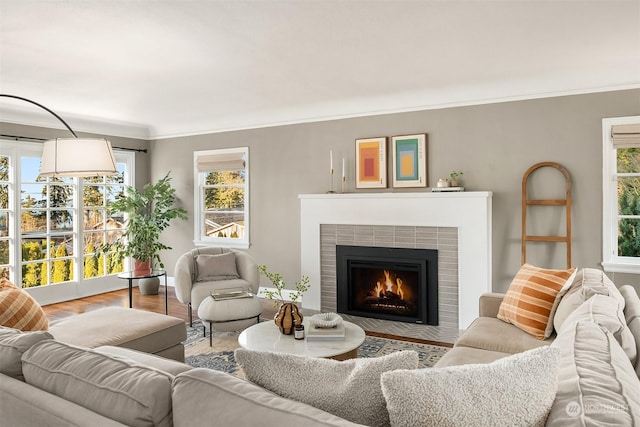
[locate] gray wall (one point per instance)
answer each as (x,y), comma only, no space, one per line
(493,144)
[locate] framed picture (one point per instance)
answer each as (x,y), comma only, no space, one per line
(371,162)
(409,160)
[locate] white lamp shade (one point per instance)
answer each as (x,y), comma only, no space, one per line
(77,157)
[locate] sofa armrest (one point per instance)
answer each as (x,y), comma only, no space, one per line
(490,304)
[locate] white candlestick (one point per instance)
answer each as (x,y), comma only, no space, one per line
(343,174)
(331,159)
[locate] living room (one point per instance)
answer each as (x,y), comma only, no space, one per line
(495,87)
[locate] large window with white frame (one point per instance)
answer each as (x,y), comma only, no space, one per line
(221,197)
(50,227)
(621,194)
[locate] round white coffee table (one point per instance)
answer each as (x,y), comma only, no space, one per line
(266,336)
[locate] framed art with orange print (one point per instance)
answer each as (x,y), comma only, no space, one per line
(409,160)
(371,162)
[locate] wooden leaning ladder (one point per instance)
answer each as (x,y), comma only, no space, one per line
(546,202)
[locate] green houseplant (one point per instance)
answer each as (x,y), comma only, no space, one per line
(149,212)
(454,177)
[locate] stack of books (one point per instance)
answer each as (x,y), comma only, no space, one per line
(316,333)
(446,189)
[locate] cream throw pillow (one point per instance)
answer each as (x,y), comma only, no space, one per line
(349,389)
(532,298)
(216,267)
(514,391)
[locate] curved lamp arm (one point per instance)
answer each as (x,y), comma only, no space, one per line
(82,157)
(3,95)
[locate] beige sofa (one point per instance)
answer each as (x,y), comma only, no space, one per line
(596,372)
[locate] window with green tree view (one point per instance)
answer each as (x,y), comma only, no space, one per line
(621,194)
(50,227)
(222,208)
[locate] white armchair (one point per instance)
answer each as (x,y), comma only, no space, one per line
(201,271)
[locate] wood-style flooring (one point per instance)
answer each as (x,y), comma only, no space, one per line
(120,298)
(156,304)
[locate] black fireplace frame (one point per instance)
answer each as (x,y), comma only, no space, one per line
(425,259)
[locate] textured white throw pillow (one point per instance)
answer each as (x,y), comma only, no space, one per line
(349,389)
(515,391)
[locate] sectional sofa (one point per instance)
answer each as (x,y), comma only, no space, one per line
(591,365)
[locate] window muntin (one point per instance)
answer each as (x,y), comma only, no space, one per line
(52,243)
(621,201)
(222,211)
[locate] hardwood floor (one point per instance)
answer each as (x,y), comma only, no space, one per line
(120,298)
(155,303)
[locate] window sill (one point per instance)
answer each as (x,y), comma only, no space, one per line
(621,267)
(222,244)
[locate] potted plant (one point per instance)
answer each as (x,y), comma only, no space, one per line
(454,177)
(149,212)
(288,315)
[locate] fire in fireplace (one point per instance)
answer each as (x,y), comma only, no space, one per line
(388,283)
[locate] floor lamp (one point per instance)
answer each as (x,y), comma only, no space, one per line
(69,157)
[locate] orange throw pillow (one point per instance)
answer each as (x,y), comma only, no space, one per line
(19,310)
(533,297)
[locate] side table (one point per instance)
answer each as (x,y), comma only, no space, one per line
(131,276)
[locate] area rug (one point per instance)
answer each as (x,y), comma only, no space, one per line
(220,356)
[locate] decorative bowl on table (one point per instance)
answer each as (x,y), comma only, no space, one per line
(326,320)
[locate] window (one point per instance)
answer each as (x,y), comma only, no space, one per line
(222,197)
(50,227)
(621,194)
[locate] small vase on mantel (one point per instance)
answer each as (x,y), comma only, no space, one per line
(287,317)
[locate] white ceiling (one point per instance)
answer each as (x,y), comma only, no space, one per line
(155,69)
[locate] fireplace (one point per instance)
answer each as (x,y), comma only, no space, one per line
(398,284)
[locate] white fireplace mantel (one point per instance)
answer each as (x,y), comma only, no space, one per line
(469,211)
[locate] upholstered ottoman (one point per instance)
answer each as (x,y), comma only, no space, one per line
(226,315)
(124,327)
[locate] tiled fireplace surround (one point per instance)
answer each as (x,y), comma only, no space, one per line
(458,225)
(444,239)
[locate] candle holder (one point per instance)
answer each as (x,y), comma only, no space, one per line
(344,183)
(331,183)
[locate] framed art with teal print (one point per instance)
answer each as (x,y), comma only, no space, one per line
(409,160)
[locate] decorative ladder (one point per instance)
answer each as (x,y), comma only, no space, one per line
(546,202)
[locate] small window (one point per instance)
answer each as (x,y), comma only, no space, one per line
(621,195)
(222,197)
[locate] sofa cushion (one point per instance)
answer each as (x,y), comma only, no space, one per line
(632,316)
(597,384)
(489,333)
(204,397)
(515,390)
(587,283)
(606,312)
(13,343)
(533,297)
(19,310)
(163,364)
(333,386)
(114,387)
(465,355)
(216,267)
(122,327)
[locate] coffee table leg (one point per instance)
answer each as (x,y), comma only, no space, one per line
(130,293)
(210,334)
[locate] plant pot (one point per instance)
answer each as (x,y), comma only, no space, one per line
(453,183)
(141,268)
(287,317)
(149,286)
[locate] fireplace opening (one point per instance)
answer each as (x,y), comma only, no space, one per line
(397,284)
